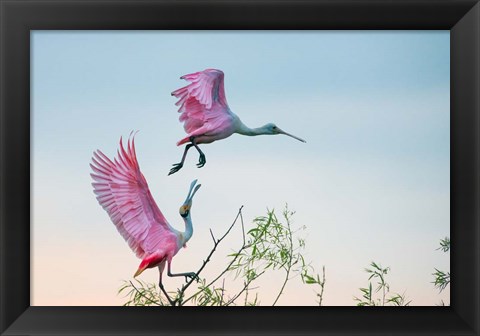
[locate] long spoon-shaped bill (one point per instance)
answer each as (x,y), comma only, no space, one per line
(290,135)
(190,193)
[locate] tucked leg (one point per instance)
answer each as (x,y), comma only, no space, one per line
(178,166)
(202,159)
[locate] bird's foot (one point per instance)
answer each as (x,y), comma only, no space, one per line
(201,161)
(176,167)
(191,275)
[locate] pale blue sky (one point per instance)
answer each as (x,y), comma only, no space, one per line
(371,183)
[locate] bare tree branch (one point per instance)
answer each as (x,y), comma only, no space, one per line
(231,262)
(205,262)
(213,237)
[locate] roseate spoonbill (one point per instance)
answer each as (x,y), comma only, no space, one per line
(123,192)
(207,117)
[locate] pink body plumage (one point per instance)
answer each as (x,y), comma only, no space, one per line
(203,107)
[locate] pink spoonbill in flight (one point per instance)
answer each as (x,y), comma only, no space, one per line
(207,117)
(121,189)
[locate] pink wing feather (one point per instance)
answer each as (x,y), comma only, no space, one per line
(202,100)
(123,192)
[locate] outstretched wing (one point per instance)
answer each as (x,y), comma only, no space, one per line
(123,192)
(201,100)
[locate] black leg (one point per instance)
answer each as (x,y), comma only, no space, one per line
(202,159)
(187,275)
(178,166)
(172,303)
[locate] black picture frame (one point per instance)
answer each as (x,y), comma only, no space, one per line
(18,17)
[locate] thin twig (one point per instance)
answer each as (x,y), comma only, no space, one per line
(232,300)
(243,228)
(223,291)
(320,296)
(289,261)
(246,297)
(213,237)
(141,294)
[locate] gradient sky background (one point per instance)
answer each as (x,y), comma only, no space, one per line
(371,183)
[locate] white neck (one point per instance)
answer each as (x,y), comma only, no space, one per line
(245,130)
(188,229)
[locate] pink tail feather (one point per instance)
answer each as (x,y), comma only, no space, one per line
(183,141)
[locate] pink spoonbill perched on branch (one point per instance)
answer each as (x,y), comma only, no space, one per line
(123,192)
(207,117)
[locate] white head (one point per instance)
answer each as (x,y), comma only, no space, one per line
(273,129)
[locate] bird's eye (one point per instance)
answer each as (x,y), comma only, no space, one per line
(274,127)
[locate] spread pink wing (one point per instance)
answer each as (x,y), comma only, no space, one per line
(123,192)
(202,100)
